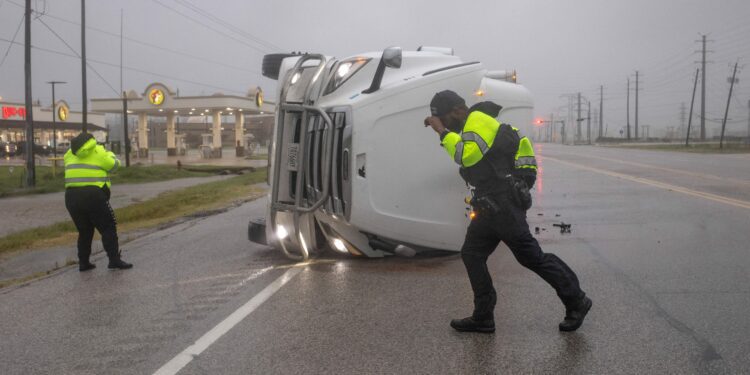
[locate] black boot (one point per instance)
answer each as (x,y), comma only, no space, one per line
(471,325)
(119,264)
(86,266)
(575,314)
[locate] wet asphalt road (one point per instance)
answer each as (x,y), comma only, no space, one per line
(659,241)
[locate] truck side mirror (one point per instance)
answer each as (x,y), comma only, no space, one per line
(391,58)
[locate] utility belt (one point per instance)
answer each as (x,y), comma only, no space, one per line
(91,188)
(486,205)
(515,192)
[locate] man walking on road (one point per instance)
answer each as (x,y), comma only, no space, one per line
(485,151)
(87,165)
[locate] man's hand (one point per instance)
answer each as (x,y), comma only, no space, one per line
(435,123)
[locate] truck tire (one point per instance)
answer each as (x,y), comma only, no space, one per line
(272,64)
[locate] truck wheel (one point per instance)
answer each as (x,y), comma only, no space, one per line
(272,64)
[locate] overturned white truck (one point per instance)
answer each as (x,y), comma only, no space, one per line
(352,167)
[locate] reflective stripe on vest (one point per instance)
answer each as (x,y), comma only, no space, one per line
(469,137)
(476,138)
(459,155)
(83,166)
(526,162)
(73,180)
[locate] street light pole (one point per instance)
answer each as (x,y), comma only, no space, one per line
(54,117)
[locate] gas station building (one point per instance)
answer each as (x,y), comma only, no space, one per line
(66,124)
(158,100)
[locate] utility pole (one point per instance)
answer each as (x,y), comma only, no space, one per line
(579,134)
(30,168)
(570,115)
(748,122)
(636,105)
(588,123)
(85,110)
(562,135)
(703,89)
(121,49)
(601,110)
(628,110)
(683,111)
(54,117)
(595,120)
(726,111)
(692,101)
(578,120)
(552,126)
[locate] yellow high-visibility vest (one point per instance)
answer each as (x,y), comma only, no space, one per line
(525,158)
(475,140)
(89,166)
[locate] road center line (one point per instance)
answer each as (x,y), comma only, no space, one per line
(672,170)
(186,356)
(645,181)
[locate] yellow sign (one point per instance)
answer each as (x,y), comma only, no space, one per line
(156,96)
(259,98)
(62,112)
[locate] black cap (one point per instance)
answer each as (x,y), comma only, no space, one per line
(78,142)
(444,102)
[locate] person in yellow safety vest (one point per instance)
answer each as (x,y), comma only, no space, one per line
(485,150)
(525,161)
(87,168)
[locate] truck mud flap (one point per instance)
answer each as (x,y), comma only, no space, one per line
(256,231)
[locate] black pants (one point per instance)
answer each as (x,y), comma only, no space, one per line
(509,225)
(89,207)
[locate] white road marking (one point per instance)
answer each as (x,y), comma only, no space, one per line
(700,194)
(680,171)
(186,356)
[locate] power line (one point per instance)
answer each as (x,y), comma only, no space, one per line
(78,55)
(209,27)
(138,70)
(227,24)
(147,44)
(14,39)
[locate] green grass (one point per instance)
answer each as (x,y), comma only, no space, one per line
(703,148)
(259,157)
(11,183)
(162,209)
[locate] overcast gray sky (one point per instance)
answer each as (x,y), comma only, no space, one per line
(558,47)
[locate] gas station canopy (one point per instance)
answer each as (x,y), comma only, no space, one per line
(159,100)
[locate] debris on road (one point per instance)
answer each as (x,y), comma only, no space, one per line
(564,228)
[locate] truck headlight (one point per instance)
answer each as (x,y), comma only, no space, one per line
(345,70)
(281,232)
(338,244)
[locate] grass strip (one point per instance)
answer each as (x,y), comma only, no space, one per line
(12,178)
(164,208)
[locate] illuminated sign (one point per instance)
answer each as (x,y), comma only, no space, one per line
(259,98)
(156,96)
(62,112)
(9,112)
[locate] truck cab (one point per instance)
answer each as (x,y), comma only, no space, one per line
(352,167)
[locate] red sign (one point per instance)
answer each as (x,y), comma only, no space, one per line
(9,112)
